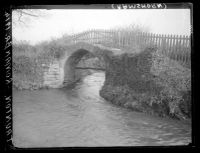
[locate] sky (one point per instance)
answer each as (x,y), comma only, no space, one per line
(57,22)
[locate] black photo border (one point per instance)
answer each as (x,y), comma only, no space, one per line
(6,69)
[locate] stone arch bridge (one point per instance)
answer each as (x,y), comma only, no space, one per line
(61,72)
(144,80)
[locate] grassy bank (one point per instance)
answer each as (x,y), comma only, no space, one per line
(30,63)
(149,82)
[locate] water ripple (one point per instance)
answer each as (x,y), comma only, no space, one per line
(80,117)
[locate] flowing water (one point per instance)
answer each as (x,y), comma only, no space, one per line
(80,117)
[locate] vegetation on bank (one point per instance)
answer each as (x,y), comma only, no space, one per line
(149,82)
(30,62)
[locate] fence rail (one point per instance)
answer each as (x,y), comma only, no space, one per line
(177,47)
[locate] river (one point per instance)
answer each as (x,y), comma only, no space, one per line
(80,117)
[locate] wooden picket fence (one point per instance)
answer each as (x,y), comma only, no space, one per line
(177,47)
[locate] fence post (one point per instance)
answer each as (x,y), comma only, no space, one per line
(170,44)
(145,39)
(188,48)
(153,39)
(149,39)
(162,44)
(74,40)
(185,49)
(140,38)
(160,41)
(167,44)
(176,47)
(180,48)
(132,41)
(113,35)
(91,34)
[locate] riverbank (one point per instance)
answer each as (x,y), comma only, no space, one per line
(149,82)
(27,73)
(30,63)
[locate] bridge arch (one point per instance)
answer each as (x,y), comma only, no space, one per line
(72,61)
(62,71)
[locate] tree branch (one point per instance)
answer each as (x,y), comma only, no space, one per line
(29,14)
(21,15)
(19,18)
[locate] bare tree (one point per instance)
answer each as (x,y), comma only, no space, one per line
(24,16)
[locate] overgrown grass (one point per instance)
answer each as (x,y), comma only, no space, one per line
(29,63)
(149,82)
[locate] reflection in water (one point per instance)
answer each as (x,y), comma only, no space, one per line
(80,117)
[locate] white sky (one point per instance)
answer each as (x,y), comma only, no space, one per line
(68,21)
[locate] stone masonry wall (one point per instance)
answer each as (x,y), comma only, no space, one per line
(53,76)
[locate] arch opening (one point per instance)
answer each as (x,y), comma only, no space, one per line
(81,60)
